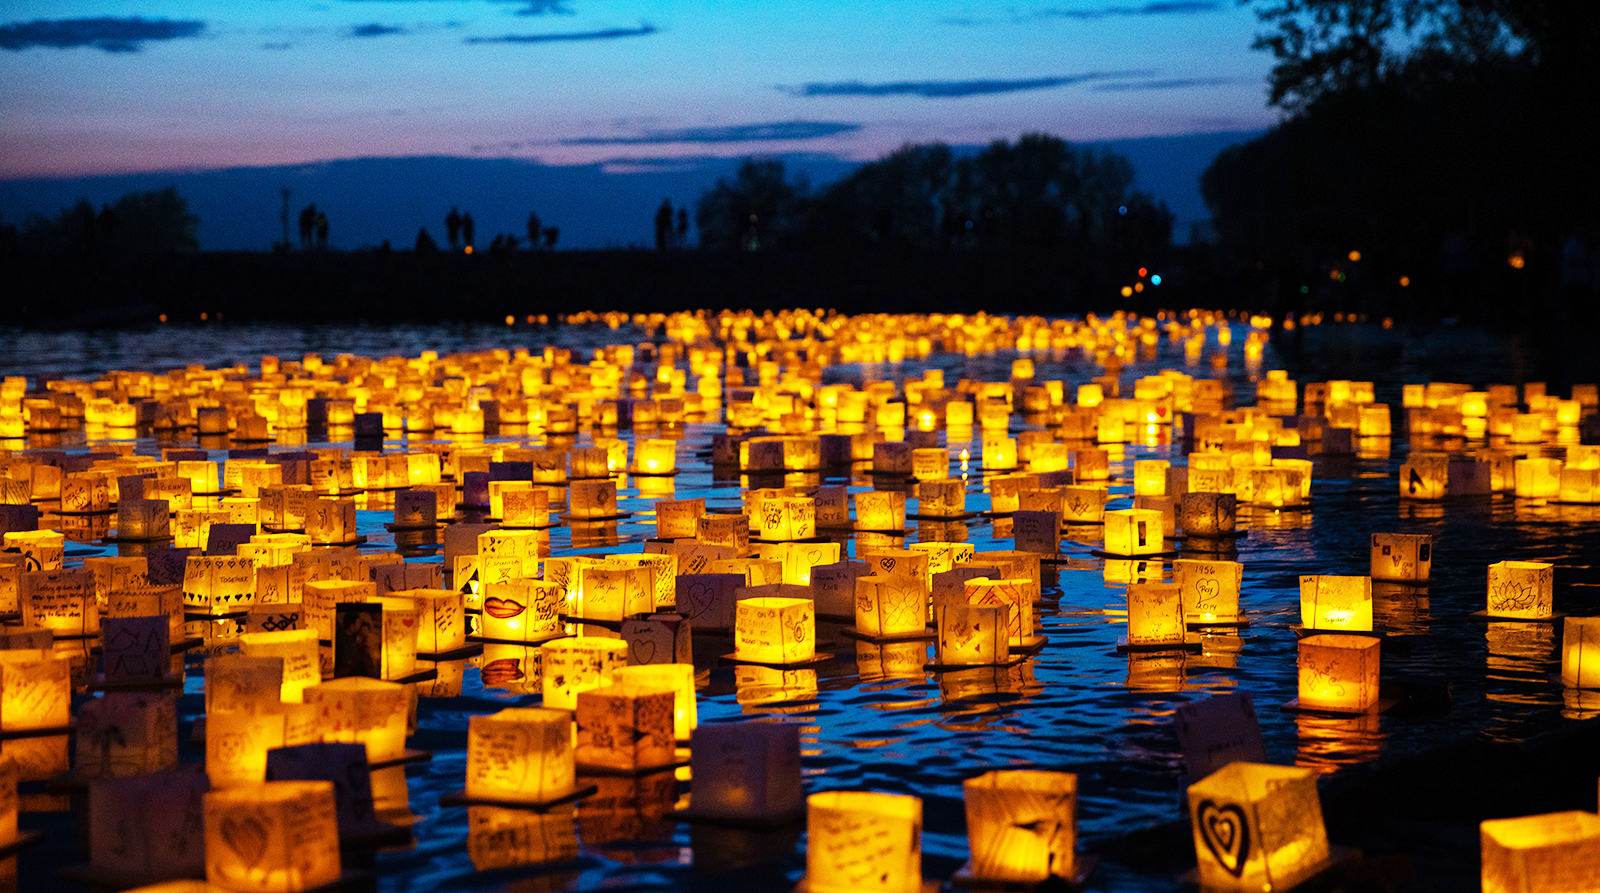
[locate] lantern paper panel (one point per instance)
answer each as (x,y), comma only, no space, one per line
(1155,615)
(62,601)
(237,742)
(143,519)
(441,623)
(359,710)
(1336,603)
(521,754)
(576,665)
(725,530)
(1556,851)
(44,550)
(677,678)
(833,587)
(1022,824)
(1209,589)
(242,682)
(677,518)
(1133,532)
(1257,827)
(974,635)
(1580,652)
(623,726)
(860,841)
(272,837)
(592,499)
(219,584)
(35,689)
(746,771)
(612,593)
(1018,594)
(890,605)
(1037,532)
(124,733)
(775,630)
(297,649)
(881,510)
(522,610)
(1083,504)
(658,638)
(1402,558)
(1521,589)
(1338,673)
(149,826)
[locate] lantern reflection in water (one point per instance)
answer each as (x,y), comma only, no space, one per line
(501,837)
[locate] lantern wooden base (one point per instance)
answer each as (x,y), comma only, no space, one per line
(613,625)
(168,682)
(922,635)
(1190,645)
(1382,705)
(927,886)
(680,757)
(480,641)
(634,472)
(820,657)
(357,541)
(578,792)
(505,525)
(964,516)
(761,823)
(427,675)
(1030,644)
(1011,661)
(79,514)
(1317,878)
(119,538)
(25,839)
(618,516)
(102,879)
(268,528)
(803,539)
(1236,623)
(1300,632)
(1554,617)
(392,526)
(47,732)
(1164,553)
(471,649)
(893,531)
(407,757)
(1082,866)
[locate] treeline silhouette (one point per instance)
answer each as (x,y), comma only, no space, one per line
(1037,193)
(136,223)
(1437,162)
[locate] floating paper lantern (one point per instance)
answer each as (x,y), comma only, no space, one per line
(1155,615)
(124,733)
(85,493)
(35,689)
(930,464)
(787,518)
(627,727)
(890,605)
(60,600)
(1270,486)
(44,550)
(141,826)
(677,678)
(592,499)
(571,666)
(1150,477)
(658,639)
(942,499)
(441,624)
(881,510)
(331,521)
(655,456)
(973,635)
(272,837)
(891,457)
(677,518)
(863,841)
(1207,514)
(359,710)
(1556,851)
(1338,673)
(1257,827)
(775,630)
(1022,824)
(1521,589)
(1402,558)
(521,754)
(1538,478)
(746,771)
(1016,593)
(1580,652)
(999,452)
(522,610)
(237,741)
(1336,603)
(1209,590)
(1133,532)
(298,648)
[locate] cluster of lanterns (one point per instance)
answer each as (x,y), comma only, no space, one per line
(316,651)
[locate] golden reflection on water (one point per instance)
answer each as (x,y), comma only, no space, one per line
(1580,703)
(977,682)
(1398,608)
(1327,743)
(1159,671)
(891,660)
(771,690)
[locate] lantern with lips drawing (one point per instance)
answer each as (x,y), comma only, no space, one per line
(522,610)
(1257,827)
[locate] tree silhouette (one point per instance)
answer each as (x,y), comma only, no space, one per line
(534,232)
(759,207)
(425,243)
(551,234)
(664,225)
(452,227)
(136,223)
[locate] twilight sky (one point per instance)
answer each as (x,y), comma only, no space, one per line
(111,86)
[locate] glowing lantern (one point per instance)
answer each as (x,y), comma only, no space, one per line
(85,493)
(331,521)
(999,452)
(1521,589)
(1556,851)
(520,755)
(272,837)
(655,456)
(1580,652)
(677,678)
(592,499)
(1209,590)
(60,600)
(1018,594)
(1091,464)
(1150,477)
(359,710)
(1051,457)
(1155,615)
(890,605)
(787,518)
(143,519)
(522,610)
(299,650)
(658,639)
(124,733)
(676,518)
(775,630)
(35,689)
(1338,673)
(625,727)
(891,457)
(441,625)
(1257,827)
(1133,532)
(1336,603)
(1269,486)
(881,510)
(612,593)
(1538,478)
(1022,824)
(973,635)
(237,741)
(746,771)
(862,841)
(1580,485)
(577,665)
(1402,558)
(44,549)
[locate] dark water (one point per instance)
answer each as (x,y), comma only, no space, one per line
(870,721)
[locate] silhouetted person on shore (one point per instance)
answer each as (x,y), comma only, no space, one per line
(683,227)
(308,225)
(452,227)
(534,232)
(664,226)
(322,230)
(466,230)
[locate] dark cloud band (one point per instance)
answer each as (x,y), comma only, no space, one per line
(1170,84)
(1169,7)
(953,89)
(606,34)
(775,131)
(110,35)
(375,30)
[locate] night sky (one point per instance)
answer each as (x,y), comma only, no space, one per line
(110,87)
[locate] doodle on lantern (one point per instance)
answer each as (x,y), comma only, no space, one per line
(502,671)
(1207,590)
(1513,596)
(798,624)
(1226,835)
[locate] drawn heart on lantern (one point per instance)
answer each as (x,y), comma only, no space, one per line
(247,837)
(1226,834)
(644,651)
(700,599)
(1206,590)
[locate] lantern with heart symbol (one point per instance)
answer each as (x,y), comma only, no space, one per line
(1209,589)
(272,837)
(1257,827)
(1402,558)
